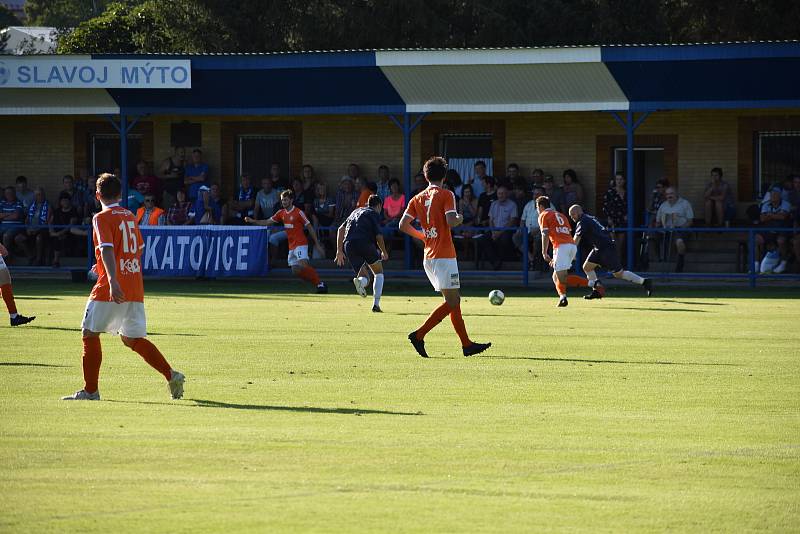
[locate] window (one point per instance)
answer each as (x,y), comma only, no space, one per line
(777,156)
(256,153)
(462,151)
(104,153)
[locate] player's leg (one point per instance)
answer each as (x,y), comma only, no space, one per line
(90,362)
(353,253)
(377,285)
(563,256)
(417,337)
(298,261)
(7,292)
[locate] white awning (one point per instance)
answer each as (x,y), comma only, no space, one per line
(57,102)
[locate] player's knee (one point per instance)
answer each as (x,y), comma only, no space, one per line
(88,333)
(618,274)
(129,342)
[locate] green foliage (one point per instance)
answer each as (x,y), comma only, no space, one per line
(7,18)
(62,14)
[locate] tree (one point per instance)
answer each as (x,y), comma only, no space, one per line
(62,13)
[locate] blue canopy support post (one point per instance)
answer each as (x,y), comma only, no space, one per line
(123,128)
(407,127)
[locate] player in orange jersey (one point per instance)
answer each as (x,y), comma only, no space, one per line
(8,294)
(116,303)
(295,221)
(557,229)
(435,209)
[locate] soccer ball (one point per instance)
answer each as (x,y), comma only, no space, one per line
(496,297)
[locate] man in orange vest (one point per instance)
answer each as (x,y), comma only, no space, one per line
(150,214)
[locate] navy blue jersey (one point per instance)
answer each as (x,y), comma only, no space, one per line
(363,223)
(592,233)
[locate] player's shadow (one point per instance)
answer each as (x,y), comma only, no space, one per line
(65,329)
(693,303)
(623,362)
(424,314)
(657,309)
(29,364)
(304,409)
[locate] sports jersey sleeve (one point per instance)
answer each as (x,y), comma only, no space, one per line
(103,232)
(278,217)
(542,223)
(304,218)
(450,203)
(579,229)
(411,210)
(139,239)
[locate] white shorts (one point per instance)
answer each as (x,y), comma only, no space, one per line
(296,254)
(442,272)
(126,319)
(564,256)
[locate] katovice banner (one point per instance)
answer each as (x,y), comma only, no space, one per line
(211,251)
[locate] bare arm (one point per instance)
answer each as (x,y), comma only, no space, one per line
(406,228)
(382,246)
(340,245)
(454,219)
(259,222)
(545,255)
(313,235)
(110,264)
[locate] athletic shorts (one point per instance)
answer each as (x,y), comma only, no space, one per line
(563,257)
(126,319)
(442,272)
(297,254)
(606,257)
(359,252)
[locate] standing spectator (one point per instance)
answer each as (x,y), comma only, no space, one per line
(278,182)
(519,194)
(266,200)
(572,190)
(477,178)
(195,174)
(452,180)
(419,185)
(384,189)
(537,178)
(719,201)
(656,199)
(552,192)
(37,231)
(774,214)
(173,169)
(485,199)
(12,217)
(512,173)
(243,204)
(364,191)
(178,213)
(76,197)
(346,199)
(91,207)
(615,208)
(675,214)
(324,212)
(393,207)
(529,222)
(60,237)
(502,213)
(135,197)
(150,214)
(794,200)
(25,195)
(151,184)
(354,172)
(302,200)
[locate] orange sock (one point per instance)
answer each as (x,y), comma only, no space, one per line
(573,280)
(458,324)
(433,319)
(561,288)
(309,274)
(92,358)
(8,297)
(153,356)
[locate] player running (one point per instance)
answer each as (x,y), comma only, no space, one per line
(116,303)
(8,293)
(556,228)
(435,209)
(356,239)
(604,253)
(295,221)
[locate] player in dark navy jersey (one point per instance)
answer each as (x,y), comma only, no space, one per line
(356,239)
(604,253)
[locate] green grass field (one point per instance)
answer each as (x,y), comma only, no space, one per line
(309,413)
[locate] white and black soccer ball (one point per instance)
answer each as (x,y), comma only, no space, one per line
(496,297)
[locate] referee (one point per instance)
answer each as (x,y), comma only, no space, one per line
(357,238)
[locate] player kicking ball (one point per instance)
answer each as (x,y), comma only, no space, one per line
(556,228)
(116,303)
(435,209)
(295,221)
(356,239)
(603,254)
(8,293)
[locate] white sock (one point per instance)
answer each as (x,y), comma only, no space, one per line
(377,289)
(592,277)
(632,277)
(364,281)
(12,315)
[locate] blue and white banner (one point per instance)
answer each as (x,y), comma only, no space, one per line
(205,251)
(49,72)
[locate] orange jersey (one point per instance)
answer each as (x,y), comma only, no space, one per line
(363,198)
(430,208)
(295,222)
(558,229)
(116,227)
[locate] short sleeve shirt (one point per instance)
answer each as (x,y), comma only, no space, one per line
(592,233)
(675,215)
(557,227)
(363,224)
(502,213)
(430,207)
(294,221)
(116,227)
(196,170)
(13,207)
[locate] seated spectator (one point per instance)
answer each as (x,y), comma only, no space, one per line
(452,180)
(354,172)
(267,200)
(346,199)
(278,182)
(25,195)
(364,192)
(37,231)
(419,184)
(794,200)
(615,208)
(324,212)
(720,208)
(91,208)
(529,222)
(518,194)
(382,182)
(172,174)
(60,237)
(498,244)
(657,198)
(76,196)
(393,207)
(571,190)
(553,192)
(785,187)
(195,175)
(90,194)
(485,199)
(150,214)
(468,205)
(151,184)
(242,205)
(135,197)
(677,215)
(208,206)
(477,178)
(12,217)
(178,213)
(774,214)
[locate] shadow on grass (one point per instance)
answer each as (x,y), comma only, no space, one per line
(625,362)
(36,298)
(203,403)
(29,364)
(657,309)
(693,303)
(425,314)
(65,329)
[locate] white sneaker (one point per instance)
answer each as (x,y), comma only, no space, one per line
(359,287)
(780,268)
(176,384)
(83,395)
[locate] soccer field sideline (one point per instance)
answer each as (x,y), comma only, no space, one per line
(309,413)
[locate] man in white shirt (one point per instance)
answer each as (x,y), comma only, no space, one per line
(676,213)
(530,222)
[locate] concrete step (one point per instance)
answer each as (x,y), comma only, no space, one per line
(694,267)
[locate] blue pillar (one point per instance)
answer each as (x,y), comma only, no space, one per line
(123,156)
(630,127)
(408,241)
